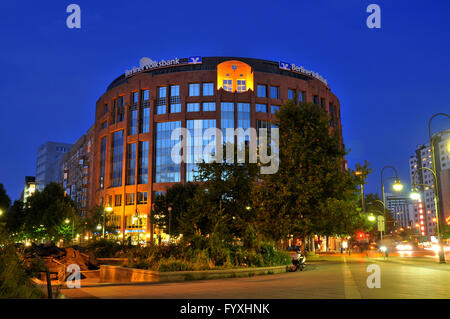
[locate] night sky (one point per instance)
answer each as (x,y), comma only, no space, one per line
(389,81)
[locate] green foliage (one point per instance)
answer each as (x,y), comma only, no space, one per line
(5,201)
(104,248)
(14,280)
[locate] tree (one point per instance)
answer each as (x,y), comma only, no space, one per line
(47,213)
(5,201)
(311,193)
(177,197)
(222,205)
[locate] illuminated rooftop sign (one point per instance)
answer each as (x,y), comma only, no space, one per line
(299,69)
(146,64)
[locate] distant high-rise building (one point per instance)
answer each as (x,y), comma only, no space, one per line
(402,209)
(425,210)
(29,189)
(48,163)
(76,173)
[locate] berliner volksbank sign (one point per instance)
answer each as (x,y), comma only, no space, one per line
(148,64)
(299,69)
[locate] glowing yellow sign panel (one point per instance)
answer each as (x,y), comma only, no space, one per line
(234,76)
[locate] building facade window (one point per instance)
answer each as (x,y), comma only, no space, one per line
(133,119)
(228,85)
(104,125)
(194,89)
(144,119)
(274,92)
(208,89)
(241,86)
(209,106)
(261,90)
(143,162)
(105,109)
(291,94)
(101,182)
(118,200)
(316,99)
(243,120)
(175,99)
(196,129)
(166,171)
(120,109)
(162,100)
(193,107)
(129,199)
(262,108)
(116,158)
(301,97)
(142,197)
(274,108)
(227,120)
(131,163)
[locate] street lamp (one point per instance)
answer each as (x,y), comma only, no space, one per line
(436,187)
(436,204)
(414,195)
(1,212)
(170,220)
(397,186)
(108,209)
(371,218)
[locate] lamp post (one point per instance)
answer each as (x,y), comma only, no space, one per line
(397,187)
(436,186)
(73,224)
(415,195)
(170,220)
(107,209)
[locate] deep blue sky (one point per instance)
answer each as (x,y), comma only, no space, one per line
(389,81)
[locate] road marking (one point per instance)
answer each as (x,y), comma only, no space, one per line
(350,288)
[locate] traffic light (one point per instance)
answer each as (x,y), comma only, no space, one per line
(361,235)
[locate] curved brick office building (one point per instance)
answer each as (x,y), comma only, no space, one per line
(137,113)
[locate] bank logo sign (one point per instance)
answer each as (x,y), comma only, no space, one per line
(299,69)
(148,64)
(194,60)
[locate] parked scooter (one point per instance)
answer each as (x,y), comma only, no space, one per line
(298,261)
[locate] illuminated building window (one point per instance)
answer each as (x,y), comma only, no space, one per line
(209,106)
(143,162)
(131,163)
(228,85)
(208,89)
(261,108)
(274,92)
(118,200)
(117,158)
(194,89)
(196,129)
(166,171)
(129,199)
(261,90)
(241,86)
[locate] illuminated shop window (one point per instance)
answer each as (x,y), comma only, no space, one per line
(196,130)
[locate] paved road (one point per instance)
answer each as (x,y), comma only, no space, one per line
(335,277)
